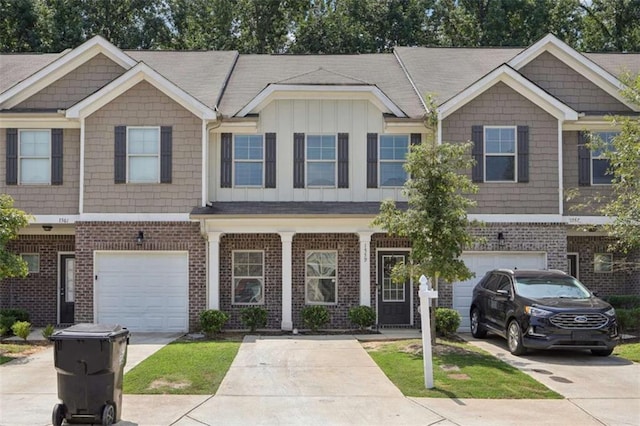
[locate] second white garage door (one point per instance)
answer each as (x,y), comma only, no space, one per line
(143,291)
(480,264)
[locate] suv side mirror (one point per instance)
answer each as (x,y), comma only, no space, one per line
(503,293)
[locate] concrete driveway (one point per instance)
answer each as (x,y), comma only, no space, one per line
(29,389)
(607,388)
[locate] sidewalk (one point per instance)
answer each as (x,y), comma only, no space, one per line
(322,380)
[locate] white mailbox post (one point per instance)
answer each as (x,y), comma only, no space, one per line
(426,293)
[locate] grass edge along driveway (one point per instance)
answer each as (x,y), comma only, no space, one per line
(459,371)
(183,368)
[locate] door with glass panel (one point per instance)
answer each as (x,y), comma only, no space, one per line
(67,288)
(394,299)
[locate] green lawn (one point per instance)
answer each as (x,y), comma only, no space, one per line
(185,368)
(630,351)
(11,351)
(459,371)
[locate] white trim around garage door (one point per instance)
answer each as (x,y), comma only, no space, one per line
(142,290)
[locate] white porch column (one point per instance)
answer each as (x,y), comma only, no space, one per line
(365,268)
(213,272)
(287,319)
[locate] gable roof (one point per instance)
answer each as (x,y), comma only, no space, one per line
(129,79)
(61,66)
(577,61)
(516,81)
(254,73)
(15,67)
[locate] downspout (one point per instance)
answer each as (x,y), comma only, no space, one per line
(81,185)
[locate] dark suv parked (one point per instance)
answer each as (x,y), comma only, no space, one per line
(542,309)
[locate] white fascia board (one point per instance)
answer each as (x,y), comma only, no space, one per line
(38,121)
(517,82)
(575,60)
(238,126)
(588,220)
(286,91)
(254,224)
(402,127)
(593,124)
(62,66)
(518,218)
(111,217)
(129,79)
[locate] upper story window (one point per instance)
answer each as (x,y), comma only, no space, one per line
(321,160)
(248,277)
(500,154)
(248,160)
(143,154)
(392,157)
(35,156)
(321,277)
(600,174)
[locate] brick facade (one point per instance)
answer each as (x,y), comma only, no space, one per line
(120,236)
(622,280)
(271,246)
(38,292)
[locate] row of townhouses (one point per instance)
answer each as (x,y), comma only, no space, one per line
(164,183)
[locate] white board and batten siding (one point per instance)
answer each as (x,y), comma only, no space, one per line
(482,262)
(316,117)
(142,291)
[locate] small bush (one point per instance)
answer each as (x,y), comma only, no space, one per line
(627,301)
(8,316)
(315,317)
(17,313)
(628,319)
(48,331)
(447,321)
(362,316)
(212,321)
(21,329)
(253,317)
(6,322)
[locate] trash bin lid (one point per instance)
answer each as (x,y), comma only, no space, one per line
(91,331)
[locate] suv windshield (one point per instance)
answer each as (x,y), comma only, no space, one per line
(543,287)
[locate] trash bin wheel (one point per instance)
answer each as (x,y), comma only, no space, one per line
(108,415)
(57,417)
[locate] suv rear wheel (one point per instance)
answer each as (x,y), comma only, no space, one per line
(514,338)
(477,330)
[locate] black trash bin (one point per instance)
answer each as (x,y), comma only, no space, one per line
(89,359)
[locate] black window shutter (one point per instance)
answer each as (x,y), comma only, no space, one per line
(343,160)
(12,157)
(523,153)
(298,160)
(372,160)
(270,160)
(477,137)
(120,154)
(166,153)
(226,159)
(56,156)
(416,138)
(584,161)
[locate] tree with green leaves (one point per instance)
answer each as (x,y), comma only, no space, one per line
(436,221)
(624,159)
(612,25)
(11,221)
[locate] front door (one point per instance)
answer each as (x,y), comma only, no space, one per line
(67,288)
(572,263)
(394,299)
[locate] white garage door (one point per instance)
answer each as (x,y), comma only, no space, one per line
(480,264)
(143,291)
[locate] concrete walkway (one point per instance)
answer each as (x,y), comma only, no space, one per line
(330,380)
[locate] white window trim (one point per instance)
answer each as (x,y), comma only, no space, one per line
(144,155)
(598,265)
(306,298)
(32,254)
(334,161)
(233,279)
(20,131)
(599,157)
(234,161)
(380,160)
(485,155)
(404,291)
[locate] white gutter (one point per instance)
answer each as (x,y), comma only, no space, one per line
(81,186)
